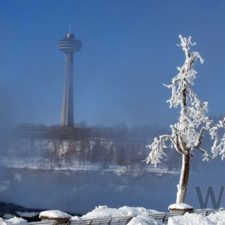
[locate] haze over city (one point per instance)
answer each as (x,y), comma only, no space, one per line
(128,51)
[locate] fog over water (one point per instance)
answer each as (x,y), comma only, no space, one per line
(81,192)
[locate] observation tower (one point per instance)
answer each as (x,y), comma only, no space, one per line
(69,45)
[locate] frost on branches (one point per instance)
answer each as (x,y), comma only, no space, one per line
(193,122)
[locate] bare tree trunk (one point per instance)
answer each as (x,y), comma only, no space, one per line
(184,176)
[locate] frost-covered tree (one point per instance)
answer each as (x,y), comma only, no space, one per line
(193,123)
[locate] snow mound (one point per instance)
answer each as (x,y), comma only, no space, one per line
(138,215)
(2,222)
(125,211)
(144,220)
(54,214)
(103,212)
(14,220)
(133,211)
(189,219)
(217,218)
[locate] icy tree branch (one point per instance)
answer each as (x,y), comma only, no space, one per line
(157,149)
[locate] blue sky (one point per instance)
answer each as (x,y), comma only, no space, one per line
(129,50)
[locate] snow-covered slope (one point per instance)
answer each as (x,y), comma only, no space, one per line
(40,164)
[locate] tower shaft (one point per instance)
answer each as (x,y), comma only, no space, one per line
(68,45)
(67,107)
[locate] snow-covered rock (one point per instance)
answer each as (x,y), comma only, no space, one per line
(54,214)
(180,206)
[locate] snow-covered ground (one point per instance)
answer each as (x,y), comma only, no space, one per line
(141,216)
(138,215)
(217,218)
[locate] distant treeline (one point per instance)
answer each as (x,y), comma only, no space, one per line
(120,145)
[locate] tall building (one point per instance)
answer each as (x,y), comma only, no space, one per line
(69,45)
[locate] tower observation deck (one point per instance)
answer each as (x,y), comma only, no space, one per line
(69,45)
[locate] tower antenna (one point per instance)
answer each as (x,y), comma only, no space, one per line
(70,28)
